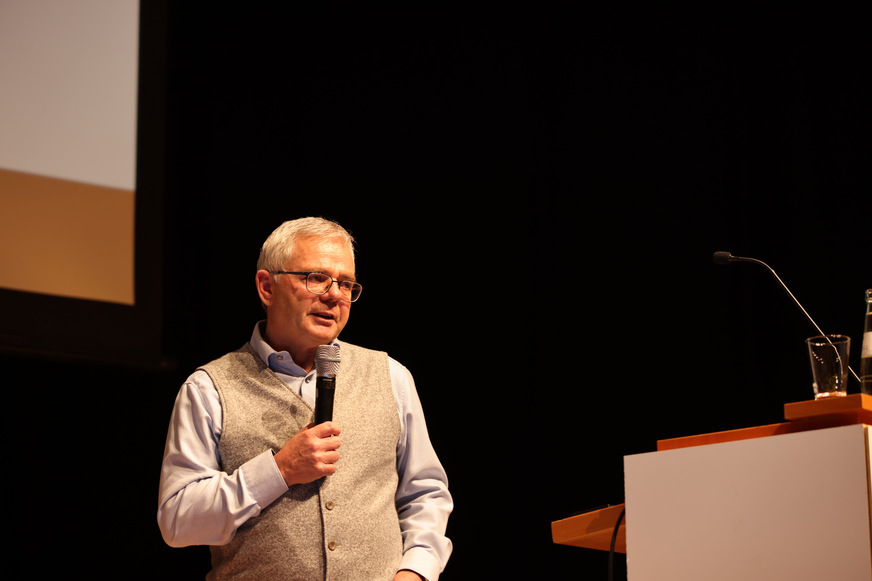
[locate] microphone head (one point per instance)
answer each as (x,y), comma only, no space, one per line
(722,257)
(327,360)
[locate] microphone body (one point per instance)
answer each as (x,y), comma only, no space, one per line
(326,366)
(722,257)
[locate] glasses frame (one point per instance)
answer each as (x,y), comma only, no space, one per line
(327,290)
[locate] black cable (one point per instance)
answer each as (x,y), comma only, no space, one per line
(612,546)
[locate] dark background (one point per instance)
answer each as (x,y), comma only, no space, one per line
(536,199)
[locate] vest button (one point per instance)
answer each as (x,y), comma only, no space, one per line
(331,545)
(329,505)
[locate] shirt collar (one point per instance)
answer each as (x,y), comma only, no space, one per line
(278,361)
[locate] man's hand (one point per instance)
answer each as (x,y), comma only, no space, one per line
(310,454)
(406,575)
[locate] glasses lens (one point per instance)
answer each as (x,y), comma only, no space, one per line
(350,290)
(320,283)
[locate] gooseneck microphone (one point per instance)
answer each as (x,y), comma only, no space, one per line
(723,257)
(326,366)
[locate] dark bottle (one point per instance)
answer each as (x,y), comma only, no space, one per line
(866,351)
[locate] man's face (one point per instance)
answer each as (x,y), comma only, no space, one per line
(297,320)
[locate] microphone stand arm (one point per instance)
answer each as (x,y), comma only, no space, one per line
(790,294)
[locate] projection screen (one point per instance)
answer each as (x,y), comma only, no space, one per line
(70,76)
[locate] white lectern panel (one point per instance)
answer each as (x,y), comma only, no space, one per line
(793,507)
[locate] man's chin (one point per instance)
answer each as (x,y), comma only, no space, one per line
(324,333)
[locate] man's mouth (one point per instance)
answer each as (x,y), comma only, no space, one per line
(325,316)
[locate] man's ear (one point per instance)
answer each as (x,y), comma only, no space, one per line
(264,282)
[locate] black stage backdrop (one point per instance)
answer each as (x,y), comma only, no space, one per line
(536,202)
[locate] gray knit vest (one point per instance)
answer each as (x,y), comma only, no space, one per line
(343,527)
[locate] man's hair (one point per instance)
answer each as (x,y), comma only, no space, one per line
(279,247)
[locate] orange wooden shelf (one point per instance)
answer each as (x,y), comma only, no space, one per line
(592,530)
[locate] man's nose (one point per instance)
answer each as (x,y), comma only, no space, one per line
(333,292)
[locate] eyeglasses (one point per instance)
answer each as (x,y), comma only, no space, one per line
(319,283)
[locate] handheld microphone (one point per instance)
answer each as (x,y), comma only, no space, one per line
(326,366)
(723,257)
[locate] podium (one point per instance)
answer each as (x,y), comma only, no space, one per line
(784,501)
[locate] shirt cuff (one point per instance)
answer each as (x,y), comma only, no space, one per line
(422,562)
(263,478)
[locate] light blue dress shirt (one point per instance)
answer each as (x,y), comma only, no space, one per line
(199,504)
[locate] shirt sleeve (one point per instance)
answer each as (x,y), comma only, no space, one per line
(423,500)
(199,504)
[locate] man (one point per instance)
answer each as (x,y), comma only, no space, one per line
(362,497)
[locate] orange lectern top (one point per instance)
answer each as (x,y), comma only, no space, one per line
(804,415)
